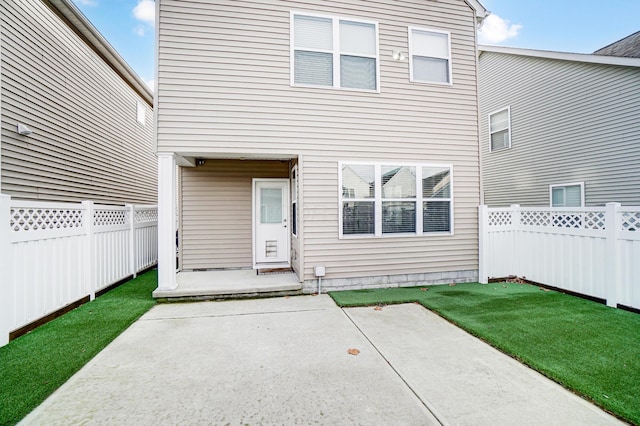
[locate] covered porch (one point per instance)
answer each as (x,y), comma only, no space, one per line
(231,220)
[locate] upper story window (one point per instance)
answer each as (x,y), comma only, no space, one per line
(500,129)
(334,52)
(429,56)
(567,195)
(393,199)
(141,113)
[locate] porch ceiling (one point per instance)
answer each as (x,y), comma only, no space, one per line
(190,157)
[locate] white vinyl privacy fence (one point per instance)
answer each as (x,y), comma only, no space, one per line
(55,254)
(594,251)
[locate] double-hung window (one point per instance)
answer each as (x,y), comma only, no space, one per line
(429,56)
(334,52)
(395,199)
(500,129)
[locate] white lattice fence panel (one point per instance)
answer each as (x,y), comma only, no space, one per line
(142,216)
(595,220)
(630,221)
(109,217)
(500,218)
(535,218)
(24,219)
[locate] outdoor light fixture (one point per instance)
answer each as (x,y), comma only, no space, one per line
(200,162)
(24,130)
(399,55)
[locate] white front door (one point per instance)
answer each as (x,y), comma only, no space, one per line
(271,221)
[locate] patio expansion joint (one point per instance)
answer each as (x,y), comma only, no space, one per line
(232,315)
(425,402)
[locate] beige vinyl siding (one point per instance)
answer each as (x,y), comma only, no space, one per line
(216,229)
(224,89)
(86,142)
(570,122)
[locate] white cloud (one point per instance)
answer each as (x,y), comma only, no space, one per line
(151,84)
(496,30)
(145,11)
(140,30)
(87,2)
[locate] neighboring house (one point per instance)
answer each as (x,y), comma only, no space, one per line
(341,134)
(628,47)
(559,129)
(77,122)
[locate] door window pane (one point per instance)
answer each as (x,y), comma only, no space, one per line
(270,205)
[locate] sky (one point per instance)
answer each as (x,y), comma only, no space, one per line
(560,25)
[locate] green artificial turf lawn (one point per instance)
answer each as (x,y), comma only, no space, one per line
(36,364)
(587,347)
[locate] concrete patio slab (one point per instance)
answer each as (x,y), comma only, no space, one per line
(270,361)
(463,380)
(285,361)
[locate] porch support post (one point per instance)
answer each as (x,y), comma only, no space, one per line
(166,221)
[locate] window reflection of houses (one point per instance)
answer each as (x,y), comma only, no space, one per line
(399,195)
(358,183)
(436,185)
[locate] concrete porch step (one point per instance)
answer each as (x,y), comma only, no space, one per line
(231,284)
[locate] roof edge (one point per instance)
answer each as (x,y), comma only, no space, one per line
(481,11)
(90,35)
(563,56)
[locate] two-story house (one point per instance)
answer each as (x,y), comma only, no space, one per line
(560,129)
(335,138)
(77,121)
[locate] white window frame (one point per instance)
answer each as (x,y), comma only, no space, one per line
(564,185)
(449,61)
(295,178)
(336,52)
(378,199)
(508,109)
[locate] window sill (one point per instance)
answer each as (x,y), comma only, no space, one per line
(437,83)
(342,89)
(403,235)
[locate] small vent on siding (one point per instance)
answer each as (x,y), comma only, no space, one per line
(271,248)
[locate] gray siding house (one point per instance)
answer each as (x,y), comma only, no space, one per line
(559,129)
(339,134)
(77,122)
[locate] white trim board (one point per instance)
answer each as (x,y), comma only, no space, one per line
(563,56)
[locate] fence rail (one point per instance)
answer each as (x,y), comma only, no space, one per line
(593,251)
(54,254)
